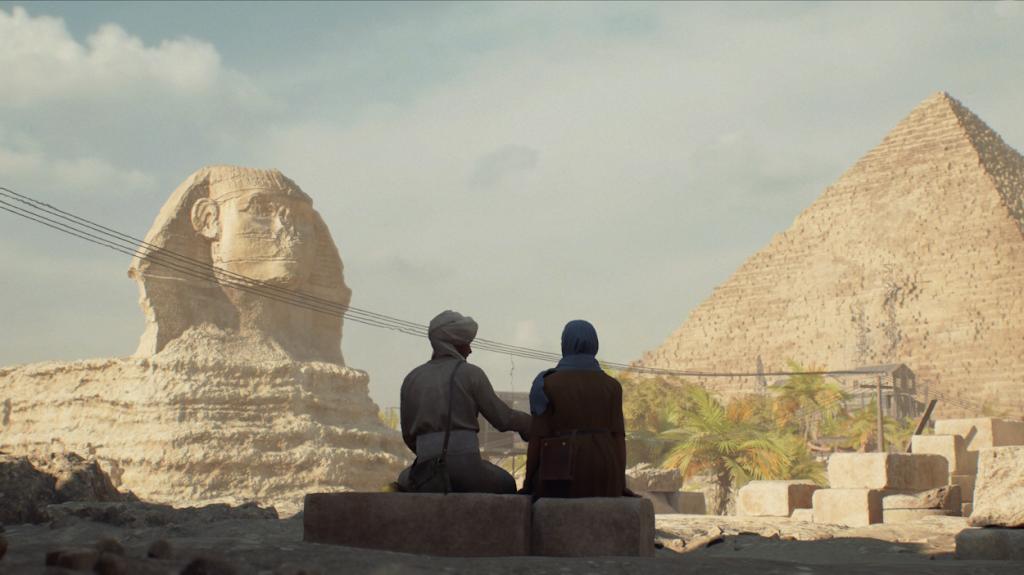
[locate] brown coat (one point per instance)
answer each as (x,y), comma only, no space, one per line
(590,402)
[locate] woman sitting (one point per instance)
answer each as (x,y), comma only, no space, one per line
(577,436)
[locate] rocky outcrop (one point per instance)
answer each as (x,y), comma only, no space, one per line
(915,254)
(27,488)
(238,391)
(647,478)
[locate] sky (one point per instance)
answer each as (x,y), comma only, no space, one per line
(523,163)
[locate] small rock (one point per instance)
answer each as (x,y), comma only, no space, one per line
(110,545)
(209,566)
(76,559)
(160,549)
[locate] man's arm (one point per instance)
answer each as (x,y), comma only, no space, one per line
(494,410)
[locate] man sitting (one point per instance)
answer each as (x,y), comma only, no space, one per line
(448,388)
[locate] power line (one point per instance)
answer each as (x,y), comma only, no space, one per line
(88,230)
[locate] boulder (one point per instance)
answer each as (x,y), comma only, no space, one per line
(24,491)
(595,526)
(889,471)
(990,544)
(774,498)
(80,479)
(647,478)
(982,432)
(999,492)
(458,524)
(952,447)
(946,498)
(849,507)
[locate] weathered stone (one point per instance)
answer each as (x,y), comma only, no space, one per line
(952,447)
(991,544)
(953,185)
(888,471)
(612,526)
(83,559)
(79,479)
(647,478)
(160,549)
(909,515)
(24,491)
(139,514)
(999,493)
(966,483)
(946,498)
(774,498)
(458,524)
(966,509)
(982,432)
(802,514)
(850,507)
(209,354)
(689,502)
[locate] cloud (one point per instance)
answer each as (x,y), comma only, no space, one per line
(42,63)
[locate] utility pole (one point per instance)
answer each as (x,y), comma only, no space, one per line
(878,414)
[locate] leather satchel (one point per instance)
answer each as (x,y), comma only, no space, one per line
(431,475)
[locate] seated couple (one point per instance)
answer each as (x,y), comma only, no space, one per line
(576,432)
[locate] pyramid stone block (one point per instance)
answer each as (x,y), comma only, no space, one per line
(774,498)
(850,507)
(888,471)
(933,215)
(983,432)
(990,544)
(966,483)
(952,447)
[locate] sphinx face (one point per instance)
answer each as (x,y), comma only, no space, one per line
(267,235)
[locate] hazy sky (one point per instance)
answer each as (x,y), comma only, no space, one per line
(523,163)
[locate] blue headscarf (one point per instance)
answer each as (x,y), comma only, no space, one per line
(579,348)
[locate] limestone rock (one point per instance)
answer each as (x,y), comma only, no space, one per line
(774,498)
(849,507)
(79,479)
(647,478)
(947,498)
(933,215)
(999,493)
(952,447)
(966,484)
(889,471)
(232,396)
(982,432)
(990,544)
(24,490)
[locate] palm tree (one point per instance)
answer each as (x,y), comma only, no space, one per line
(805,401)
(711,438)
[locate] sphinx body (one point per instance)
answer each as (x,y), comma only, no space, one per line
(232,395)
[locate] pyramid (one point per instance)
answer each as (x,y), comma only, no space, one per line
(915,255)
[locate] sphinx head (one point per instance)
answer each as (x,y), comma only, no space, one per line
(260,225)
(255,223)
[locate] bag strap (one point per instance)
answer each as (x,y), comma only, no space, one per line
(448,422)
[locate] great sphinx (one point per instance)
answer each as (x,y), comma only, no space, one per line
(238,390)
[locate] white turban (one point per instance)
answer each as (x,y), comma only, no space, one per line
(449,329)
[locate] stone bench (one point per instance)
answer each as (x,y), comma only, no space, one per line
(480,525)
